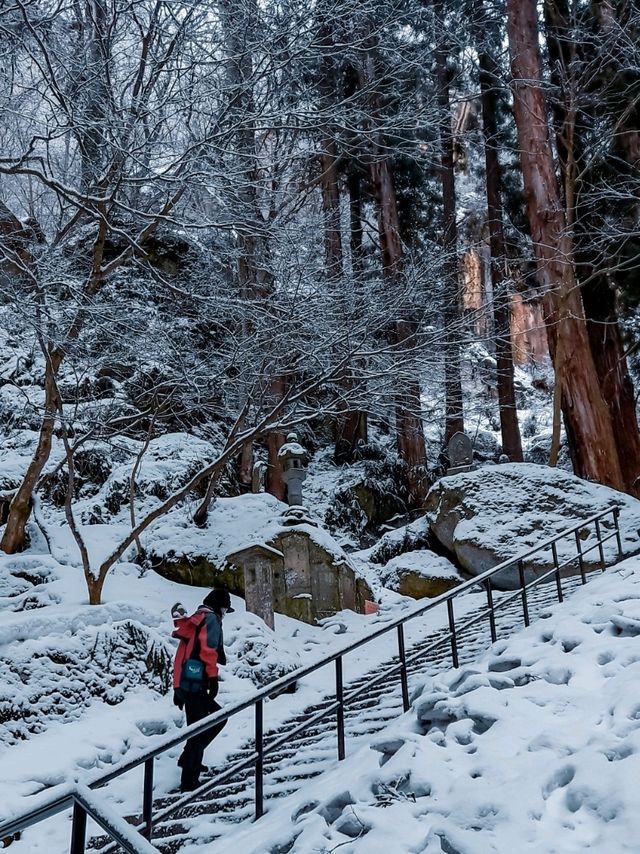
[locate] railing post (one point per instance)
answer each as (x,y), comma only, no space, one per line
(580,557)
(259,738)
(616,522)
(78,829)
(600,546)
(147,799)
(403,668)
(556,563)
(525,605)
(492,615)
(452,630)
(340,708)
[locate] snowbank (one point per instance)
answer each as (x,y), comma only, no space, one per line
(535,748)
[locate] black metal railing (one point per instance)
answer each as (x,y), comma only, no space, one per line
(137,840)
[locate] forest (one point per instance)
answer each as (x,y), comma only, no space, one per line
(233,218)
(250,243)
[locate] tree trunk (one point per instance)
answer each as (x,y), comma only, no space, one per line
(489,81)
(245,468)
(408,406)
(587,418)
(617,388)
(274,484)
(14,538)
(355,220)
(454,418)
(598,294)
(331,211)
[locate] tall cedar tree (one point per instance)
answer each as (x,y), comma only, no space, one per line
(573,115)
(587,419)
(454,418)
(408,407)
(487,44)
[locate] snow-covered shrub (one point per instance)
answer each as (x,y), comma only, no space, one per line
(258,654)
(24,583)
(58,676)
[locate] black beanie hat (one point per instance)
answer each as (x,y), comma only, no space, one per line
(217,599)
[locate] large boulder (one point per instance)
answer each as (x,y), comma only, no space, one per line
(486,516)
(420,574)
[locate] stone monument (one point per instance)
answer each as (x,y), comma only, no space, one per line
(293,459)
(298,572)
(460,451)
(258,477)
(258,562)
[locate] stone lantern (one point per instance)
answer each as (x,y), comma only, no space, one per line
(293,459)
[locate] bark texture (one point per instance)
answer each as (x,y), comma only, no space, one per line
(274,484)
(598,292)
(587,418)
(14,538)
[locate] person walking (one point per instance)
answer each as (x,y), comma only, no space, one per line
(195,675)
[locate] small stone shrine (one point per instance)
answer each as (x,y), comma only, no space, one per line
(297,572)
(460,452)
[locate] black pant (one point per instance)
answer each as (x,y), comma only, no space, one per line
(196,707)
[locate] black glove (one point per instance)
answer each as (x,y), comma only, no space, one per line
(212,686)
(178,699)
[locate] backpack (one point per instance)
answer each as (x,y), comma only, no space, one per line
(192,677)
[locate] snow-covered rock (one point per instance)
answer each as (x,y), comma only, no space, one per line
(420,574)
(182,552)
(491,514)
(259,654)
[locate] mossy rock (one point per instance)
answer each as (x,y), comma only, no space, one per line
(197,571)
(378,507)
(419,586)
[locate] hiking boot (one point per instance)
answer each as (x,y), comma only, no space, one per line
(189,785)
(202,769)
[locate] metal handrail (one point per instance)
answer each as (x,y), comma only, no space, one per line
(60,801)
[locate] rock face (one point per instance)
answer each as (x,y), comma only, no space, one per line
(492,514)
(197,569)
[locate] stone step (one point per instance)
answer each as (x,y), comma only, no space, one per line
(313,751)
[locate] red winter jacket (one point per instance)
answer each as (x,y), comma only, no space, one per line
(207,626)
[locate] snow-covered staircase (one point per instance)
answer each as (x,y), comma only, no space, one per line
(314,751)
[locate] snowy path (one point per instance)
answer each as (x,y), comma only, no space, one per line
(314,751)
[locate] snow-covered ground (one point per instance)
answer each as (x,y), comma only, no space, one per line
(536,747)
(76,693)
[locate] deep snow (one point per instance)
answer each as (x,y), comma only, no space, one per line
(536,747)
